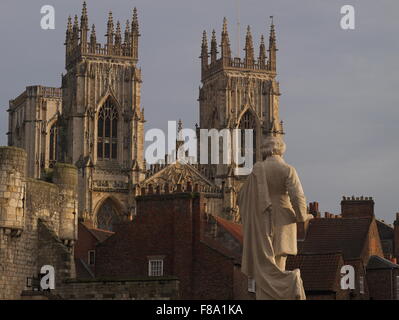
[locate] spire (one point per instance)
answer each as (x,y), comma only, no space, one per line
(84,20)
(127,32)
(69,31)
(93,39)
(179,141)
(225,45)
(118,34)
(249,49)
(135,21)
(204,50)
(110,29)
(75,31)
(135,34)
(84,27)
(272,47)
(214,50)
(262,52)
(110,33)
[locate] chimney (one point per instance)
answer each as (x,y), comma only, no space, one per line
(359,207)
(302,227)
(314,208)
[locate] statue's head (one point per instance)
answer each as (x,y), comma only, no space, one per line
(272,146)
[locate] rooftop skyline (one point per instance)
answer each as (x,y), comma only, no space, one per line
(338,87)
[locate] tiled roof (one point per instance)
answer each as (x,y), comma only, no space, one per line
(376,262)
(318,271)
(346,235)
(235,229)
(99,234)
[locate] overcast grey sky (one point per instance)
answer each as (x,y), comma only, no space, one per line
(339,88)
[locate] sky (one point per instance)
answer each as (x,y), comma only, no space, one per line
(339,87)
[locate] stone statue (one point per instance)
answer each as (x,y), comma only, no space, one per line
(271,201)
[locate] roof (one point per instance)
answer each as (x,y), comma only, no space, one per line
(385,230)
(376,262)
(82,271)
(99,234)
(318,271)
(346,235)
(234,229)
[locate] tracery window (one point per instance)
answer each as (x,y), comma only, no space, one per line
(107,132)
(248,122)
(53,144)
(107,216)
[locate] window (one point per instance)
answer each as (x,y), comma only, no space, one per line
(397,287)
(251,285)
(107,132)
(155,268)
(53,144)
(91,257)
(248,122)
(107,215)
(361,284)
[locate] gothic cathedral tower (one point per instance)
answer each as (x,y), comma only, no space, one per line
(238,94)
(102,123)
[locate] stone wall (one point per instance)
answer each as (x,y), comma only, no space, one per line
(130,289)
(37,223)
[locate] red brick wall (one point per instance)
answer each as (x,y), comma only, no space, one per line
(357,208)
(382,284)
(169,225)
(213,275)
(151,233)
(241,286)
(86,241)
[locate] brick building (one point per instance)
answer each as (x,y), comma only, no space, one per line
(173,235)
(352,237)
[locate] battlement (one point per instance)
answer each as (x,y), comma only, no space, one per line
(79,44)
(177,188)
(226,61)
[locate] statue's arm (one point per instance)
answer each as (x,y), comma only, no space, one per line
(297,196)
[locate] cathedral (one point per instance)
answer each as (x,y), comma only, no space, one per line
(95,120)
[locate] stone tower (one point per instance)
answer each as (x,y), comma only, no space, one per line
(102,123)
(238,93)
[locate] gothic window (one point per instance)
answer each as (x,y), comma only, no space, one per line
(107,216)
(53,144)
(248,122)
(107,128)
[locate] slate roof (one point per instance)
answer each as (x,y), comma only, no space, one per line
(385,231)
(376,262)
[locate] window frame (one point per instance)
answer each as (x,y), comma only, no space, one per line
(151,272)
(89,260)
(107,131)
